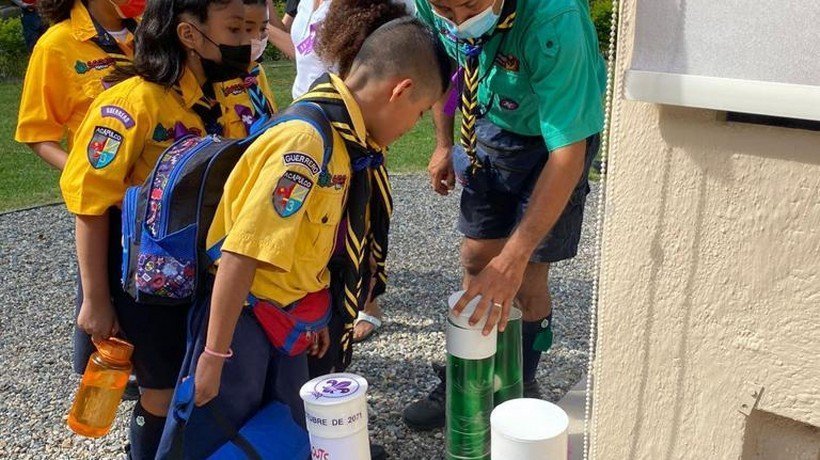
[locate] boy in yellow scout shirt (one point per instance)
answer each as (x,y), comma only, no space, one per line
(278,220)
(67,67)
(125,130)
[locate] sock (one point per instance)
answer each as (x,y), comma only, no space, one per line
(144,433)
(530,332)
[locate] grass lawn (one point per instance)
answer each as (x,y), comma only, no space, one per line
(25,180)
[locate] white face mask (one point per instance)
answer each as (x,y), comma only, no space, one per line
(474,27)
(258,48)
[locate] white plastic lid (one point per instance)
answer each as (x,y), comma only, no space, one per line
(333,389)
(529,420)
(463,320)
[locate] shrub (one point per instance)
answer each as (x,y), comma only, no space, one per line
(601,11)
(13,52)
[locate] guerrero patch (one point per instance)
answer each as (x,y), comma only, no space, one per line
(104,145)
(290,193)
(300,159)
(118,113)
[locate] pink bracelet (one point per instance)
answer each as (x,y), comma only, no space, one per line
(227,355)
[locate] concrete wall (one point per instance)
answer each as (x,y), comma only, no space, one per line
(710,287)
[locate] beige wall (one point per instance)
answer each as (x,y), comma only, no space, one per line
(710,284)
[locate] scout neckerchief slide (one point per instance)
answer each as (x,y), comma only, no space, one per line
(470,82)
(369,174)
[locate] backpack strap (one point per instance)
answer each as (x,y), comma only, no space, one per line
(304,111)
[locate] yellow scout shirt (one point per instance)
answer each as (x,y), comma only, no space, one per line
(235,97)
(121,138)
(276,209)
(64,75)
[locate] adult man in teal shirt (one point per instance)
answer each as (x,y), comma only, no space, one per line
(530,93)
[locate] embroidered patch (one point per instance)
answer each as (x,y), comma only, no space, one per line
(245,114)
(290,193)
(161,134)
(234,90)
(118,113)
(97,64)
(250,81)
(104,145)
(336,181)
(300,159)
(508,104)
(508,62)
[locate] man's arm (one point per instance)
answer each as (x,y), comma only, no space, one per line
(440,167)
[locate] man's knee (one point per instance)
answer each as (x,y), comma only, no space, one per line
(476,254)
(534,296)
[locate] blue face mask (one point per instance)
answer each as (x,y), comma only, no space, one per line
(474,27)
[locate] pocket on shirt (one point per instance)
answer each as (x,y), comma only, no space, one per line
(324,212)
(506,89)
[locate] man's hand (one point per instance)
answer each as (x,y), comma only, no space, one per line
(442,176)
(98,319)
(322,343)
(207,378)
(497,285)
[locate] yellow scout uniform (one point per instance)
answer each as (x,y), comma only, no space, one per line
(121,138)
(64,75)
(278,210)
(245,100)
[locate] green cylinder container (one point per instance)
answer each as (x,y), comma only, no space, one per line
(470,386)
(509,379)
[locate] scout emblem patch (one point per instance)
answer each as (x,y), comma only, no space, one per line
(508,62)
(290,193)
(245,114)
(104,145)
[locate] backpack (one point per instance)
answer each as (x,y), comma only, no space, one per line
(165,221)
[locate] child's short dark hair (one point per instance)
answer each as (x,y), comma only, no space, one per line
(405,46)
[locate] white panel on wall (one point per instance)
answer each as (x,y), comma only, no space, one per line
(690,51)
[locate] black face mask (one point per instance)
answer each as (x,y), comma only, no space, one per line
(235,61)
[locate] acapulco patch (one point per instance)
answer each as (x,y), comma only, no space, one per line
(118,113)
(290,193)
(103,147)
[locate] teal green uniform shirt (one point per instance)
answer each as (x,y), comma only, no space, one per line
(545,76)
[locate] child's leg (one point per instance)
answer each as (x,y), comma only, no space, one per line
(158,336)
(287,375)
(241,392)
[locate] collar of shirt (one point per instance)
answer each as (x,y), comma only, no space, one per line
(188,88)
(82,27)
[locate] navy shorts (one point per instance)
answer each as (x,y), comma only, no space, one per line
(157,332)
(496,197)
(256,375)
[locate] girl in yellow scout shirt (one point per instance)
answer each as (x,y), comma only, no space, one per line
(181,45)
(67,67)
(277,222)
(249,99)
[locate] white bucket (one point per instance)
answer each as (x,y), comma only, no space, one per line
(465,341)
(529,429)
(336,416)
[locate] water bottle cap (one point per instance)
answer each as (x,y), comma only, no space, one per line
(115,350)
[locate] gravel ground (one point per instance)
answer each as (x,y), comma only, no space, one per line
(37,296)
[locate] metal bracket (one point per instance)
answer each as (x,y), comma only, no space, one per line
(749,397)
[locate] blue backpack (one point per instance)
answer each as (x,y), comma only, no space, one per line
(165,221)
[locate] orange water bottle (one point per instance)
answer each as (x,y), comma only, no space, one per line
(101,388)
